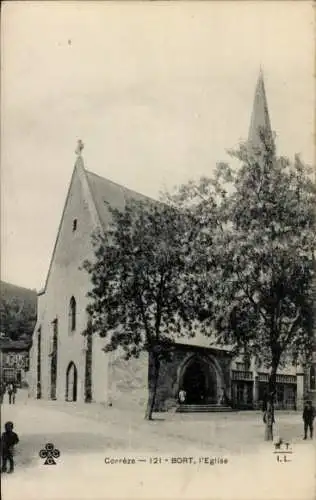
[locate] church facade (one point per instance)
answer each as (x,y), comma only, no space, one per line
(69,366)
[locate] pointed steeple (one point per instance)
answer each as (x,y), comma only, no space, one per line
(260,120)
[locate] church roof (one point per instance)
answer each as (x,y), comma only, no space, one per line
(105,191)
(260,119)
(99,192)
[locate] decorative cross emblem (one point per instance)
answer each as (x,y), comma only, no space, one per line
(49,453)
(79,147)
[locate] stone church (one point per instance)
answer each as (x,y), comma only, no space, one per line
(66,365)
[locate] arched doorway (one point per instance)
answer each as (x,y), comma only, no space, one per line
(71,382)
(199,380)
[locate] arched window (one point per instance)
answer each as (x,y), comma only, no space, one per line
(312,378)
(72,314)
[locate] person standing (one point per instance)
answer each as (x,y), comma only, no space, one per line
(182,396)
(2,392)
(223,397)
(14,391)
(308,418)
(10,391)
(8,440)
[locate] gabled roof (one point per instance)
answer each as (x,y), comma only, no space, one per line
(99,192)
(104,191)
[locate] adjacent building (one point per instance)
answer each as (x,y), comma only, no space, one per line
(17,319)
(14,362)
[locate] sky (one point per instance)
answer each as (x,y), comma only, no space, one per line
(157,91)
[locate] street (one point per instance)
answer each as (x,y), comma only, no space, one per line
(178,450)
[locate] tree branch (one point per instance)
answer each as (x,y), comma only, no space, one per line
(143,313)
(292,326)
(245,290)
(159,305)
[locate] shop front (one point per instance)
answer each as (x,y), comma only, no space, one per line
(249,390)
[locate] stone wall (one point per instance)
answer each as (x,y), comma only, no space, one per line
(128,381)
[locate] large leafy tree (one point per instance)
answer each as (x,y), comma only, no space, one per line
(256,294)
(140,297)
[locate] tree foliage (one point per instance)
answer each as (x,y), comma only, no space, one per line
(140,299)
(257,293)
(17,318)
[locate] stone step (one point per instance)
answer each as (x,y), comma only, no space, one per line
(203,408)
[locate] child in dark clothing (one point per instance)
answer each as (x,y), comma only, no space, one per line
(308,417)
(8,440)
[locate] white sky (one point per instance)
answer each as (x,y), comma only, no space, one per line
(157,92)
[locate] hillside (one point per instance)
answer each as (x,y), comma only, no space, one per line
(18,309)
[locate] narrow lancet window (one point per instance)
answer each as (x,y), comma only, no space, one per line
(72,314)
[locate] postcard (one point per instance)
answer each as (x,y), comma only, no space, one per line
(158,243)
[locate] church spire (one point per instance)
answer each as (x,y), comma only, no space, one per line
(260,120)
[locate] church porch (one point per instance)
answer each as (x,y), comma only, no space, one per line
(203,373)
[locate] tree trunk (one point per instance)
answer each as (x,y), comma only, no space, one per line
(269,421)
(268,417)
(152,386)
